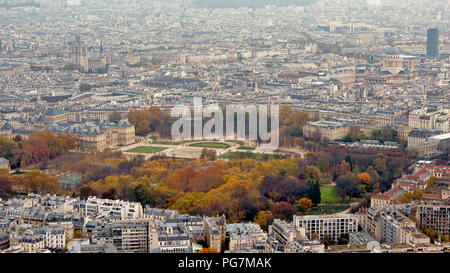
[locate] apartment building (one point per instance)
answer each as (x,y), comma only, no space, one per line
(158,214)
(429,119)
(115,208)
(215,231)
(284,232)
(53,237)
(436,216)
(387,225)
(173,238)
(246,237)
(31,243)
(333,226)
(135,236)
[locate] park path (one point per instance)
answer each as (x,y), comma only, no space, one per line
(347,210)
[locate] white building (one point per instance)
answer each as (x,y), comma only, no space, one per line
(334,226)
(53,237)
(115,208)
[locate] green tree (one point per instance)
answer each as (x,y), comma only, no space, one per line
(314,192)
(144,195)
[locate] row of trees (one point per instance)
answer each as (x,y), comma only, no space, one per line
(153,120)
(36,148)
(383,135)
(33,181)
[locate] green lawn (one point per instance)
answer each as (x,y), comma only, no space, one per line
(157,142)
(328,209)
(215,145)
(168,142)
(329,194)
(238,142)
(147,149)
(246,148)
(70,181)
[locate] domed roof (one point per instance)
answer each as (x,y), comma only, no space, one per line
(392,51)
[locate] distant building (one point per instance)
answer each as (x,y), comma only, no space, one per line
(432,43)
(429,119)
(331,130)
(55,115)
(392,62)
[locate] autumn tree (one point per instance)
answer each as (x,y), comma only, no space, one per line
(86,191)
(38,181)
(348,185)
(417,195)
(5,184)
(283,210)
(291,124)
(9,149)
(313,173)
(304,204)
(264,219)
(45,145)
(208,154)
(207,179)
(314,236)
(364,178)
(432,182)
(355,132)
(207,250)
(115,117)
(405,198)
(146,121)
(344,168)
(77,234)
(280,188)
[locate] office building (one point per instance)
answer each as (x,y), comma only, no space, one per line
(432,43)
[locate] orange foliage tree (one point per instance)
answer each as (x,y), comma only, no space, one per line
(365,178)
(304,203)
(207,250)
